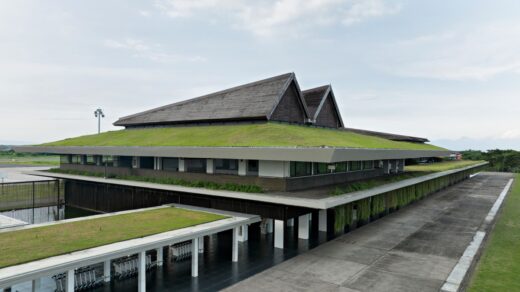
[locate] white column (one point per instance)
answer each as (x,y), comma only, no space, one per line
(322,221)
(303,226)
(243,234)
(242,167)
(160,256)
(290,222)
(182,168)
(234,252)
(201,244)
(36,285)
(106,271)
(195,257)
(279,228)
(70,281)
(136,162)
(141,272)
(210,166)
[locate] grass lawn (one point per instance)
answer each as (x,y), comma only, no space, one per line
(34,160)
(261,135)
(499,266)
(23,246)
(442,166)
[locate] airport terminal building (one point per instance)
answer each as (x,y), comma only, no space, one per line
(285,150)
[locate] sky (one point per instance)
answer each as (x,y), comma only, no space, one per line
(445,70)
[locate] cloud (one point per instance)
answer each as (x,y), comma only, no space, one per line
(275,17)
(476,53)
(155,52)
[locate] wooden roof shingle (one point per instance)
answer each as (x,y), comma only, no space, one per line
(251,101)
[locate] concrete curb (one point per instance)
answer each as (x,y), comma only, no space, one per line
(459,276)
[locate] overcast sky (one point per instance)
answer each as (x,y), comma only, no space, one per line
(446,70)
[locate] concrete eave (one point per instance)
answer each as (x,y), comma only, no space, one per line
(324,203)
(309,154)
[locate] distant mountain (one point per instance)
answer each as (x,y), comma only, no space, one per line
(5,147)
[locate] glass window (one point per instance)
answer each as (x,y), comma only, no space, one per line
(76,159)
(301,168)
(321,168)
(354,165)
(170,164)
(64,159)
(108,160)
(90,160)
(226,164)
(195,165)
(368,164)
(252,165)
(341,167)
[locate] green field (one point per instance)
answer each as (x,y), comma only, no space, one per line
(261,135)
(499,266)
(441,166)
(33,160)
(17,247)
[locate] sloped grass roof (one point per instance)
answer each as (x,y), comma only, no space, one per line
(26,245)
(241,135)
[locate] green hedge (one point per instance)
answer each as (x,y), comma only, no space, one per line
(381,204)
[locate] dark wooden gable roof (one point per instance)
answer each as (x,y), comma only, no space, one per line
(252,101)
(316,98)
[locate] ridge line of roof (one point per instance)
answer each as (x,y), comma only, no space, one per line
(206,96)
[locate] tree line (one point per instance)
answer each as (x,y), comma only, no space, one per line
(499,160)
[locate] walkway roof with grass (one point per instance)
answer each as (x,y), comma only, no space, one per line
(26,245)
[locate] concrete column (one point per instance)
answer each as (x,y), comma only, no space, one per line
(106,271)
(201,244)
(157,163)
(182,167)
(195,257)
(303,226)
(243,233)
(210,166)
(290,222)
(279,228)
(242,167)
(322,221)
(267,226)
(234,252)
(70,281)
(36,285)
(136,162)
(270,226)
(141,272)
(160,256)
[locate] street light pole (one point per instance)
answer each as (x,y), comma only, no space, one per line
(99,114)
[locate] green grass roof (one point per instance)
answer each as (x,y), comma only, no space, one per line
(260,135)
(26,245)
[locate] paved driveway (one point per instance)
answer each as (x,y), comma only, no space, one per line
(414,249)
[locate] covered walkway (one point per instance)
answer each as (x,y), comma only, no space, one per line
(414,249)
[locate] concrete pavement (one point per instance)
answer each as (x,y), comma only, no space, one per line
(414,249)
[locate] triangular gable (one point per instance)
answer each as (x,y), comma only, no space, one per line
(323,106)
(290,104)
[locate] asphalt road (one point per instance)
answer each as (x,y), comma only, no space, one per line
(414,249)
